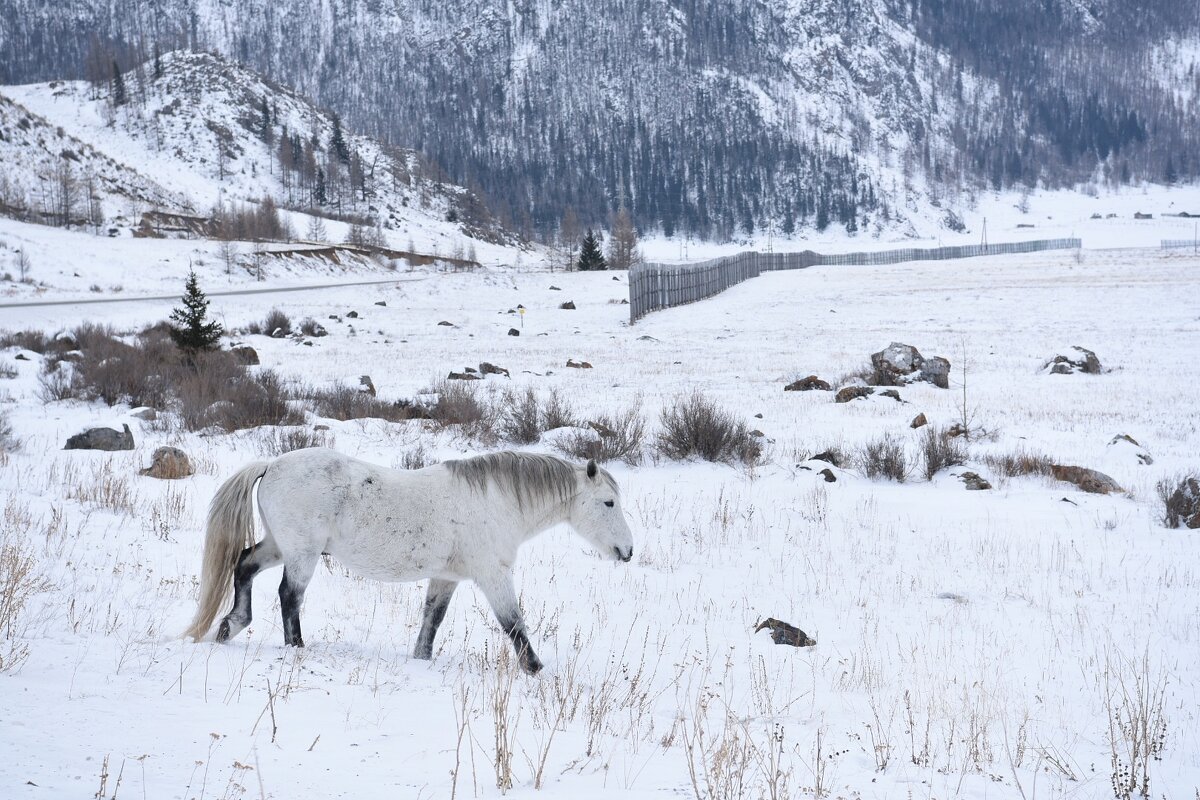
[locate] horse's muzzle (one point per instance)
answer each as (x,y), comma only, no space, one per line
(623,556)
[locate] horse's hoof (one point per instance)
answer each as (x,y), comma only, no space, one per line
(532,666)
(223,631)
(423,655)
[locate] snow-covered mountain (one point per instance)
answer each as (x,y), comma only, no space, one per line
(710,117)
(213,134)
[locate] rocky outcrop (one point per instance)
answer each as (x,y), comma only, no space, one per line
(810,384)
(899,363)
(1088,480)
(169,463)
(1077,359)
(848,393)
(101,439)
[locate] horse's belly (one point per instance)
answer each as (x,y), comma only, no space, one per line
(396,556)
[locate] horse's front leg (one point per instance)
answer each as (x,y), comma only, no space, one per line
(437,600)
(498,589)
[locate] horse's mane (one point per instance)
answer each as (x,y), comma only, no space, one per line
(526,477)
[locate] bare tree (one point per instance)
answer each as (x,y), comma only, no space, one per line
(23,265)
(623,242)
(228,253)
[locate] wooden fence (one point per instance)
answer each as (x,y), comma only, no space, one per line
(653,287)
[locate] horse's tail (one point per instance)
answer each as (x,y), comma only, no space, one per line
(230,530)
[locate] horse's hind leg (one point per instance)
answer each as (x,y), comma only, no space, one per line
(437,600)
(296,575)
(503,598)
(253,560)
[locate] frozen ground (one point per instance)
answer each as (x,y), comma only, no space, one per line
(970,644)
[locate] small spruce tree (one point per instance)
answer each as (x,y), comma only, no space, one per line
(118,86)
(190,327)
(337,141)
(590,257)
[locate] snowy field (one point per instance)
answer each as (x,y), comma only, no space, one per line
(970,644)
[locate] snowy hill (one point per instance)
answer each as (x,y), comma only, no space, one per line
(221,135)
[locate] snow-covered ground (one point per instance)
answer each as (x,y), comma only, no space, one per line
(1008,216)
(970,644)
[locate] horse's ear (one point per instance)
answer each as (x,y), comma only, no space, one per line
(591,468)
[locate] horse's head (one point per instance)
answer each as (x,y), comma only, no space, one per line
(596,514)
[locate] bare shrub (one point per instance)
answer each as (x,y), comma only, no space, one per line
(939,451)
(37,341)
(275,442)
(520,417)
(20,581)
(8,371)
(459,403)
(1134,694)
(415,458)
(217,391)
(696,426)
(558,413)
(276,321)
(111,370)
(883,458)
(348,402)
(57,384)
(9,443)
(1018,463)
(1180,497)
(614,437)
(309,327)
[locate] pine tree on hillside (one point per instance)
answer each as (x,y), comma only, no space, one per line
(118,86)
(337,142)
(190,328)
(590,257)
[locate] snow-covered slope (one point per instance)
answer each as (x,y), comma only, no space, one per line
(219,134)
(50,175)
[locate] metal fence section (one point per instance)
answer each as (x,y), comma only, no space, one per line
(1181,244)
(653,287)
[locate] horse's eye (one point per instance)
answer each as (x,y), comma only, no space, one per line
(608,503)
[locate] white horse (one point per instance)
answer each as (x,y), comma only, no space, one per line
(455,521)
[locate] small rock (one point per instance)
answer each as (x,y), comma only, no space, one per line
(101,439)
(1124,441)
(366,385)
(578,364)
(758,416)
(919,421)
(809,384)
(169,463)
(829,457)
(307,343)
(144,413)
(936,370)
(447,324)
(352,314)
(783,633)
(488,368)
(278,333)
(320,427)
(568,306)
(462,376)
(513,332)
(318,330)
(647,338)
(956,430)
(335,318)
(974,482)
(892,393)
(380,302)
(757,434)
(555,289)
(848,393)
(1088,480)
(20,357)
(827,473)
(65,341)
(471,370)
